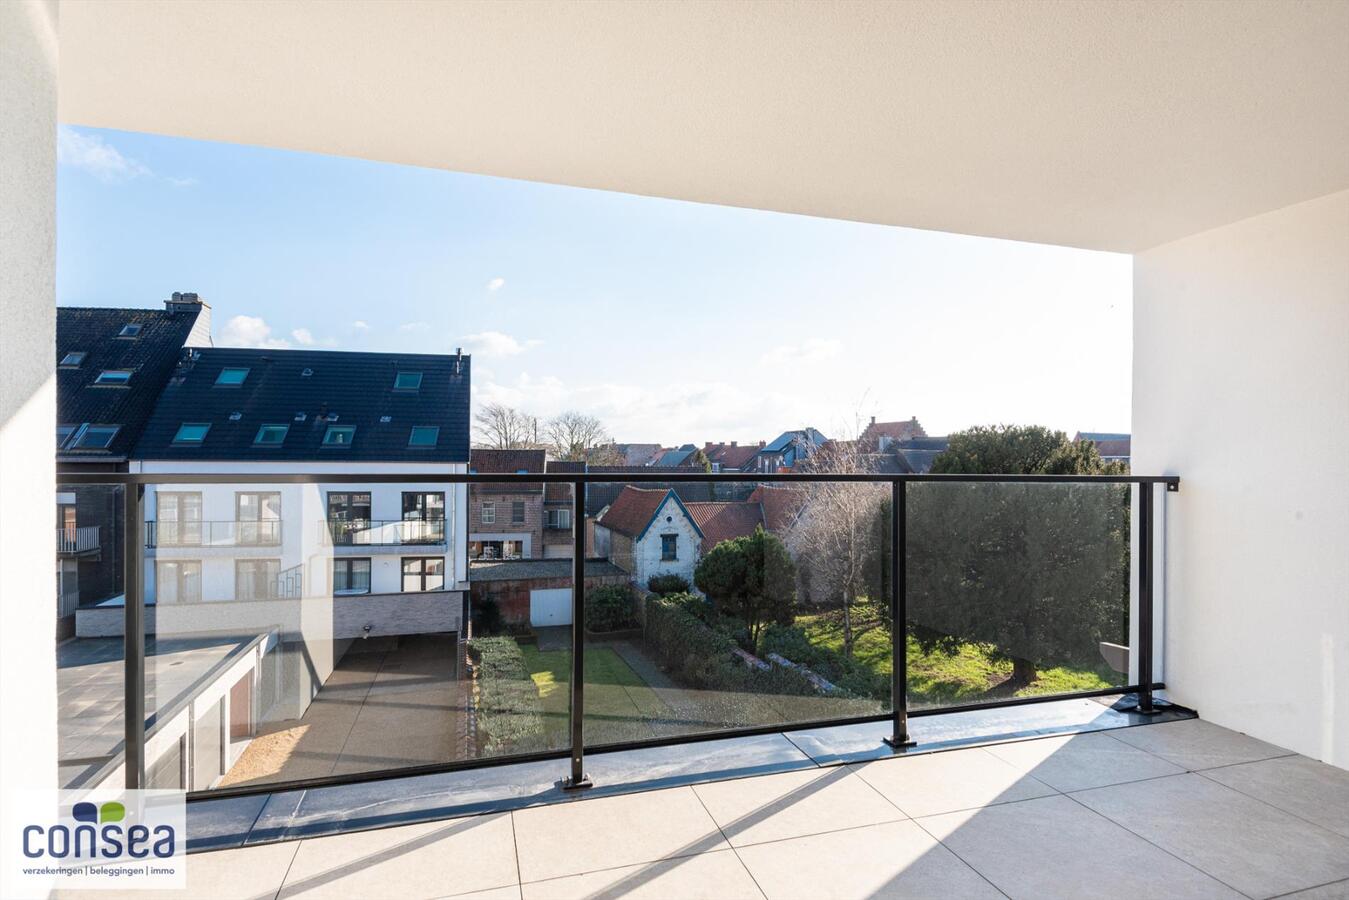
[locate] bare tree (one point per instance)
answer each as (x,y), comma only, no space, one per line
(571,434)
(605,455)
(837,539)
(504,427)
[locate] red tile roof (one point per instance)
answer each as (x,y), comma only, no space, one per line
(781,506)
(731,456)
(725,521)
(632,510)
(899,431)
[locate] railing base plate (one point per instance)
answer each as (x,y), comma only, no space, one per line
(571,784)
(899,745)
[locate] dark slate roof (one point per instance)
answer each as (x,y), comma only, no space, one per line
(488,461)
(528,569)
(600,494)
(343,389)
(151,357)
(561,493)
(677,456)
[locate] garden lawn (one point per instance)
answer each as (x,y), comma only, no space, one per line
(938,679)
(620,706)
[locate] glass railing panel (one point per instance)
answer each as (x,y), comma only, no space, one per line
(90,583)
(1016,590)
(719,606)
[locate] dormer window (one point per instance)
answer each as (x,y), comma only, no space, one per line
(271,435)
(73,359)
(231,376)
(407,381)
(129,330)
(113,376)
(191,433)
(339,435)
(424,436)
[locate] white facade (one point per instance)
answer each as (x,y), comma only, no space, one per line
(645,558)
(1241,386)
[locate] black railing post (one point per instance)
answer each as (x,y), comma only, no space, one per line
(133,625)
(577,779)
(1145,638)
(899,629)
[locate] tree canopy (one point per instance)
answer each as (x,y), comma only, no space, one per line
(751,578)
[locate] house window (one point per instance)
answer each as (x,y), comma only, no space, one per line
(496,549)
(339,435)
(348,516)
(407,381)
(271,435)
(257,517)
(95,437)
(73,359)
(178,518)
(489,513)
(129,330)
(178,581)
(113,377)
(558,518)
(669,547)
(424,436)
(351,576)
(423,517)
(423,573)
(191,433)
(517,512)
(231,376)
(256,579)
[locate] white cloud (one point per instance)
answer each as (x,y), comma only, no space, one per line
(360,325)
(496,343)
(251,331)
(815,350)
(303,336)
(180,182)
(90,153)
(496,284)
(413,326)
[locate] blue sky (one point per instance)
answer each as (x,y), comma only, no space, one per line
(673,322)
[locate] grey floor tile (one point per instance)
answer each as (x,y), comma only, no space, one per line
(1337,891)
(660,767)
(774,807)
(946,782)
(708,876)
(1304,787)
(606,832)
(897,859)
(240,874)
(1053,847)
(407,862)
(1257,849)
(219,824)
(505,893)
(1196,744)
(1075,762)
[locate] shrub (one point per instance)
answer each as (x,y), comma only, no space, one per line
(487,617)
(790,642)
(752,578)
(667,584)
(610,608)
(509,709)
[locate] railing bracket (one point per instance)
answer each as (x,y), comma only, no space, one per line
(897,745)
(571,784)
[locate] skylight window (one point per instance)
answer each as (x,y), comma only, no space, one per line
(231,377)
(191,433)
(271,435)
(407,381)
(113,376)
(130,329)
(73,358)
(339,435)
(63,433)
(424,436)
(95,437)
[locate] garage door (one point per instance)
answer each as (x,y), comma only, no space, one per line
(550,607)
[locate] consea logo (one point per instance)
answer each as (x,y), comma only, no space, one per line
(90,831)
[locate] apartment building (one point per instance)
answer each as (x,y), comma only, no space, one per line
(505,521)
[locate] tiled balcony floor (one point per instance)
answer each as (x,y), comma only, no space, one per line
(1177,809)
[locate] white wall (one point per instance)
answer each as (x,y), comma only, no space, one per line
(28,62)
(647,552)
(1241,386)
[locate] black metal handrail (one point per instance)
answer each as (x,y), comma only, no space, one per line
(209,533)
(898,717)
(382,532)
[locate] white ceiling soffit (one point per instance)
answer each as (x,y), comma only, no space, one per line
(1109,125)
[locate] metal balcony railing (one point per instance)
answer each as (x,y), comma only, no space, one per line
(913,523)
(386,532)
(263,533)
(70,541)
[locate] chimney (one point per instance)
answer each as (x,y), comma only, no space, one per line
(734,444)
(187,303)
(873,420)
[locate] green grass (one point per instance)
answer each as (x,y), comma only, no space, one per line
(938,679)
(618,702)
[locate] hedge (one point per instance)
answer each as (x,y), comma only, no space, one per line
(610,608)
(699,656)
(791,642)
(667,584)
(509,709)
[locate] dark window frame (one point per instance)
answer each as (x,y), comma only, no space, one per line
(179,440)
(435,436)
(348,563)
(410,388)
(348,430)
(262,429)
(80,357)
(422,574)
(669,547)
(220,376)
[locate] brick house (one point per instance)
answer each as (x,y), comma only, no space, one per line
(732,457)
(505,521)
